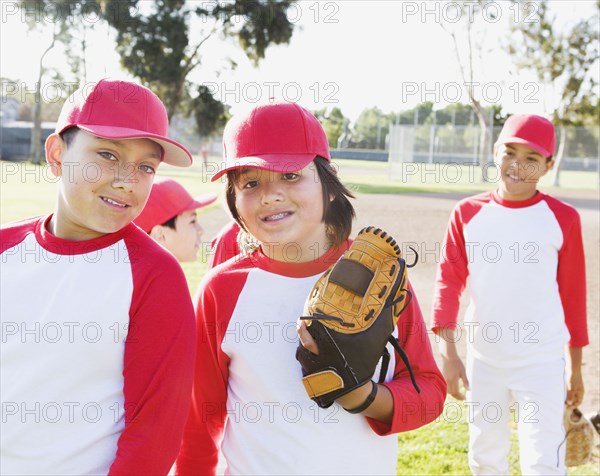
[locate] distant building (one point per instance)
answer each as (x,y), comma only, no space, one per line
(15,138)
(9,109)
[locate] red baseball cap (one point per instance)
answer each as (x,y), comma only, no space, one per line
(533,131)
(114,109)
(168,199)
(282,137)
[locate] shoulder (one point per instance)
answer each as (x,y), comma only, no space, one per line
(468,207)
(147,256)
(566,215)
(239,265)
(474,201)
(13,233)
(560,207)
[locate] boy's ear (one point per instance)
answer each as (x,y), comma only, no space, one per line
(549,165)
(55,146)
(158,233)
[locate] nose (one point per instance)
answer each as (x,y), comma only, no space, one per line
(124,176)
(272,192)
(199,230)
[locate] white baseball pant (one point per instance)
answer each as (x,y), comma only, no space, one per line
(537,394)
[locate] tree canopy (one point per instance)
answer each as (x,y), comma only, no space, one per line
(157,44)
(565,61)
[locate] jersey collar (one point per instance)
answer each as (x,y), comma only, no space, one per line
(299,270)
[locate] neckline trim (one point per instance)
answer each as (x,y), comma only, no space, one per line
(299,270)
(538,197)
(61,246)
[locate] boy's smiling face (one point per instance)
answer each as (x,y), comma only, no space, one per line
(284,211)
(520,170)
(104,183)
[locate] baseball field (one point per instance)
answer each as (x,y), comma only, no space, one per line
(414,208)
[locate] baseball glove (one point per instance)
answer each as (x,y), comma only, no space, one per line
(580,437)
(351,313)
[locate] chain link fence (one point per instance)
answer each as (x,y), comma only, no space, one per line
(460,145)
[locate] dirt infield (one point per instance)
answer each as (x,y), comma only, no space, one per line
(421,219)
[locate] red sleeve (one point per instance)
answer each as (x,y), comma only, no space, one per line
(204,428)
(158,364)
(224,246)
(571,272)
(452,274)
(411,409)
(14,233)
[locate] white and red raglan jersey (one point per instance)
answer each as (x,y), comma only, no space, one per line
(249,391)
(97,355)
(526,270)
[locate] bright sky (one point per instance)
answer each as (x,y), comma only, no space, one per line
(349,54)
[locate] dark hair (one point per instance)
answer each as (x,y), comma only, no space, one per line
(68,136)
(170,222)
(337,213)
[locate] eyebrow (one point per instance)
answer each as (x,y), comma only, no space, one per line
(119,143)
(530,152)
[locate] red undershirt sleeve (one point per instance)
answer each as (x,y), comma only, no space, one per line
(571,273)
(411,409)
(157,369)
(452,273)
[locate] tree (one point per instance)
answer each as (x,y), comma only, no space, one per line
(61,24)
(565,61)
(371,128)
(334,123)
(474,41)
(155,43)
(417,115)
(210,114)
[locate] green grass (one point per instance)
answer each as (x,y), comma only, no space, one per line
(374,177)
(441,447)
(438,448)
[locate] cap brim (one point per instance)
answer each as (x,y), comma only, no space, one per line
(202,201)
(282,163)
(174,153)
(532,145)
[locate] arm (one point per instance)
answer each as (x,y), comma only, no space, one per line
(157,372)
(204,428)
(452,274)
(410,409)
(575,388)
(571,280)
(453,367)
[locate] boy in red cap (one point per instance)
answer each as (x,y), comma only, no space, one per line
(249,400)
(97,321)
(170,218)
(523,254)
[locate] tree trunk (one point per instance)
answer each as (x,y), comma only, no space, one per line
(484,140)
(558,164)
(36,131)
(173,102)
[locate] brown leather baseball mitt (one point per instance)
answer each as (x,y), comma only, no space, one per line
(580,437)
(351,313)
